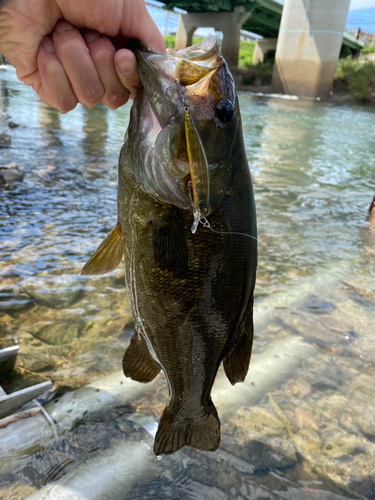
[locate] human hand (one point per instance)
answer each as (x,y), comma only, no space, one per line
(71,56)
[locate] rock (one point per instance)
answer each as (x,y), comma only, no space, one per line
(9,172)
(220,469)
(307,440)
(362,388)
(16,305)
(35,360)
(16,490)
(365,421)
(324,374)
(299,387)
(13,124)
(41,172)
(298,494)
(5,140)
(355,471)
(56,333)
(56,292)
(259,438)
(314,304)
(203,492)
(320,329)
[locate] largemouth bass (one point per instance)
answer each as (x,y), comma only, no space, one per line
(187,229)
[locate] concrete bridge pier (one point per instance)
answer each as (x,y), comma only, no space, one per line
(262,48)
(229,23)
(308,47)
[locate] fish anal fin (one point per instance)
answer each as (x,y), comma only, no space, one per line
(236,364)
(174,433)
(107,256)
(137,362)
(169,244)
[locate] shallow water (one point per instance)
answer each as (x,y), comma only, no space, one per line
(313,435)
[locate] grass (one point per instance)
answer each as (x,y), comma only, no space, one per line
(360,77)
(367,50)
(170,40)
(245,54)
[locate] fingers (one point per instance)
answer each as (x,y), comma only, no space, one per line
(53,87)
(74,56)
(102,54)
(126,68)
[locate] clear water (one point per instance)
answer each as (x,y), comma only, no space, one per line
(313,435)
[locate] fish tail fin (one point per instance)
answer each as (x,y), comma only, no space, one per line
(174,433)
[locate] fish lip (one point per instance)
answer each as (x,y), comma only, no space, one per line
(136,45)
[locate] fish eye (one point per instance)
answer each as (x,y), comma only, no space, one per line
(225,110)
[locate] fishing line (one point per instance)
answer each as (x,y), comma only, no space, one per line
(205,223)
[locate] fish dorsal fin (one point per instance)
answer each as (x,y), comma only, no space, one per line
(107,256)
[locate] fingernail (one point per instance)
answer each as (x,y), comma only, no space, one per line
(63,26)
(47,44)
(125,67)
(132,96)
(91,35)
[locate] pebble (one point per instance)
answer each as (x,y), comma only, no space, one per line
(9,172)
(5,140)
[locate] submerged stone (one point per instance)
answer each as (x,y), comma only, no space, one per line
(15,305)
(55,333)
(5,140)
(260,439)
(56,292)
(10,172)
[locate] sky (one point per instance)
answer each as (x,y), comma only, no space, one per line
(361,4)
(361,15)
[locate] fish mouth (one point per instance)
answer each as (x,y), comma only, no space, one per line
(181,98)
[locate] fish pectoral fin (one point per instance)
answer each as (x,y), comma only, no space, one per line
(107,256)
(137,362)
(174,433)
(236,364)
(170,246)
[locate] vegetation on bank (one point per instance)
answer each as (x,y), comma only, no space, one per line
(368,50)
(358,77)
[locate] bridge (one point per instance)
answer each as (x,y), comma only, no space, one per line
(307,36)
(264,20)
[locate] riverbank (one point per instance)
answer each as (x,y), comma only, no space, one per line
(353,85)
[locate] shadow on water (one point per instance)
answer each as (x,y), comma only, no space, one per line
(310,435)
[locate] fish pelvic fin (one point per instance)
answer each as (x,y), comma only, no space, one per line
(236,364)
(137,362)
(107,256)
(174,433)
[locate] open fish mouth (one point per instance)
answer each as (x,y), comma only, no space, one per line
(187,96)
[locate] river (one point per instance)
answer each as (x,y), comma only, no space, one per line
(313,434)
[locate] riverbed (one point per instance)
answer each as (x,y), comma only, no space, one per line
(311,436)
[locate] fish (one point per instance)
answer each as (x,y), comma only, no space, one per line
(187,230)
(371,215)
